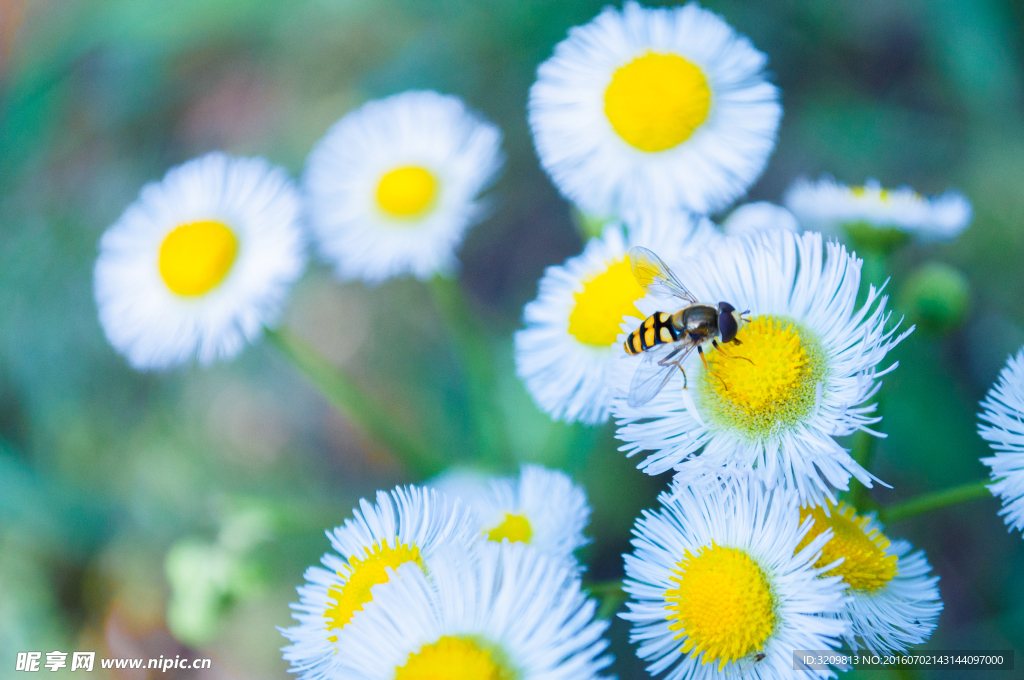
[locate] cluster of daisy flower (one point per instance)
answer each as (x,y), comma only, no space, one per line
(468,578)
(474,577)
(732,579)
(653,119)
(204,259)
(649,121)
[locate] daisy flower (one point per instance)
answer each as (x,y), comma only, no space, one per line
(200,263)
(542,508)
(392,187)
(571,339)
(1003,429)
(506,612)
(806,368)
(406,526)
(758,216)
(887,216)
(664,108)
(893,601)
(720,588)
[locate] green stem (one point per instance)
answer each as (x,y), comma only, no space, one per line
(477,364)
(862,451)
(936,500)
(353,402)
(611,595)
(875,269)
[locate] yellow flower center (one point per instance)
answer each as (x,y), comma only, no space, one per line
(867,566)
(195,257)
(656,101)
(768,382)
(407,193)
(513,527)
(602,303)
(363,574)
(456,658)
(861,192)
(722,605)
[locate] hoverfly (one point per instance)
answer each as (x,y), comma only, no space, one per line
(665,340)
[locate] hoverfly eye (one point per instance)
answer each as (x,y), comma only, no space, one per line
(727,326)
(726,307)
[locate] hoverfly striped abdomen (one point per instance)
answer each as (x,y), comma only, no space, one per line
(657,329)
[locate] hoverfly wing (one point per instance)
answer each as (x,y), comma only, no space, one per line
(655,277)
(655,370)
(649,379)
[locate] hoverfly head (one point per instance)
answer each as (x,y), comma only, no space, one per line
(729,321)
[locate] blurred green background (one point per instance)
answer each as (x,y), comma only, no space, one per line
(195,499)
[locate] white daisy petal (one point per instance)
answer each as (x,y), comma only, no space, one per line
(663,108)
(808,364)
(392,187)
(759,216)
(406,526)
(830,207)
(720,589)
(571,338)
(542,508)
(506,611)
(893,599)
(1003,429)
(200,263)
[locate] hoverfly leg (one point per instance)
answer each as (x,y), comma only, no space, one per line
(700,351)
(670,359)
(731,356)
(684,375)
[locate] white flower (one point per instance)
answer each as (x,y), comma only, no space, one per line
(406,526)
(569,345)
(720,589)
(833,208)
(758,216)
(392,187)
(506,612)
(806,368)
(542,508)
(893,600)
(662,108)
(1003,429)
(200,263)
